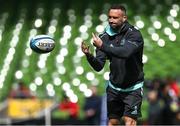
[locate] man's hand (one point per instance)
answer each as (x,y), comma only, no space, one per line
(85,48)
(97,41)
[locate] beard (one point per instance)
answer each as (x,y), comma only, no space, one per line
(115,27)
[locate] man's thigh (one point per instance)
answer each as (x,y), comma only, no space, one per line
(115,106)
(133,101)
(124,103)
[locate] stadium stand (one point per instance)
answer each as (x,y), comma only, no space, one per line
(69,22)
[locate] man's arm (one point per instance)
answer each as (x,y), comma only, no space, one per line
(96,62)
(131,45)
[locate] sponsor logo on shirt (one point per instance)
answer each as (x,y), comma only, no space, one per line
(134,112)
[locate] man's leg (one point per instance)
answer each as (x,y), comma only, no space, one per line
(115,107)
(129,121)
(113,122)
(133,101)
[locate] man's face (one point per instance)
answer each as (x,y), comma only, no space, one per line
(116,18)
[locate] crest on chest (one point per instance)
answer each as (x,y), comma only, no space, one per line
(117,41)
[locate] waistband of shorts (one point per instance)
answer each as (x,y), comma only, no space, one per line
(134,87)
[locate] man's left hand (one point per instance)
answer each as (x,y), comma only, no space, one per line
(97,41)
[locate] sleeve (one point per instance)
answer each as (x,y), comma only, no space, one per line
(97,62)
(131,45)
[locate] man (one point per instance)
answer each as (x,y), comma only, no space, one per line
(122,45)
(92,107)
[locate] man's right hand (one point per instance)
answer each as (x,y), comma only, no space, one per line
(85,48)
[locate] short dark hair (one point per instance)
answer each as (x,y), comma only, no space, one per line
(118,6)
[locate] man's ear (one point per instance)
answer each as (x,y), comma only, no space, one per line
(124,18)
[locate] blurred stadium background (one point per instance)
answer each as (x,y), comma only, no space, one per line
(65,69)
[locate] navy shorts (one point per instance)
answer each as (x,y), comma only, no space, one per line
(124,103)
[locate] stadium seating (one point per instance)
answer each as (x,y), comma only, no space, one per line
(69,23)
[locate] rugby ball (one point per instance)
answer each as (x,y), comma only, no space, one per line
(42,43)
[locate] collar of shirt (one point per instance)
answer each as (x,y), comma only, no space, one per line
(110,31)
(125,26)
